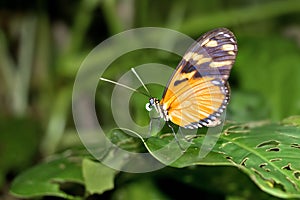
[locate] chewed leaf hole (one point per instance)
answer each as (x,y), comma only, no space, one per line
(287,167)
(269,181)
(271,143)
(295,145)
(297,175)
(279,186)
(263,166)
(243,163)
(228,157)
(275,159)
(236,129)
(276,149)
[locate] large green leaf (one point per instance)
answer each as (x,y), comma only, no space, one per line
(98,178)
(269,153)
(14,135)
(63,174)
(45,179)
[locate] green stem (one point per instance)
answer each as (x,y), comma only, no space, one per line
(113,22)
(57,121)
(7,66)
(81,23)
(23,73)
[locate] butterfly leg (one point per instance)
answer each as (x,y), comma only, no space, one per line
(150,128)
(175,136)
(186,137)
(154,126)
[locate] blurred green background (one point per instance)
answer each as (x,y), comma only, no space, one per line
(42,44)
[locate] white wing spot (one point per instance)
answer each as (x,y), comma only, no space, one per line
(231,53)
(211,43)
(228,47)
(220,64)
(232,40)
(213,117)
(204,42)
(188,56)
(216,82)
(204,123)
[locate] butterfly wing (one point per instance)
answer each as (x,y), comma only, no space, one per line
(198,92)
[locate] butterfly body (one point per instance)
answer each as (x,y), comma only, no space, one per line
(154,102)
(198,92)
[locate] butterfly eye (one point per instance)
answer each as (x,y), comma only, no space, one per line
(148,107)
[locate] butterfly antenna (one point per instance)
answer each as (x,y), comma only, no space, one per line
(139,78)
(122,85)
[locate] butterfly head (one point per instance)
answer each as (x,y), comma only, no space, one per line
(155,103)
(152,102)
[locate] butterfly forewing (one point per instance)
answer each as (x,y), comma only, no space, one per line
(198,92)
(221,46)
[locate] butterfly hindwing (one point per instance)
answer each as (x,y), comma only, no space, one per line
(198,92)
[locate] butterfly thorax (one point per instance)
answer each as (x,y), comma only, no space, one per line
(154,102)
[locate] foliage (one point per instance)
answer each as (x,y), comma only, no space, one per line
(42,46)
(267,152)
(45,179)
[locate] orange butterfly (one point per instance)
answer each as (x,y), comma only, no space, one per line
(198,92)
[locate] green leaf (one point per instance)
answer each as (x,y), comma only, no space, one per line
(45,179)
(292,121)
(189,157)
(269,153)
(98,178)
(15,134)
(139,189)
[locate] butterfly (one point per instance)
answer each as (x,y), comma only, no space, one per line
(198,91)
